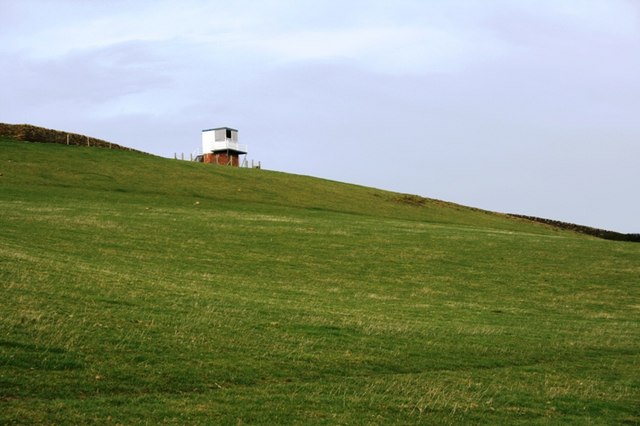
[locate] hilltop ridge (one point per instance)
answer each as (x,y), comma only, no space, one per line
(31,133)
(55,165)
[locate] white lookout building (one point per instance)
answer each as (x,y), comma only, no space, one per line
(220,146)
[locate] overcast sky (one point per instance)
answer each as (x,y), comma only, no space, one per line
(520,106)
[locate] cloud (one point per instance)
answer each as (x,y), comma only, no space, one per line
(84,76)
(271,31)
(392,49)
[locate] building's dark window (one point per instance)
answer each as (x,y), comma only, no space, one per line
(228,133)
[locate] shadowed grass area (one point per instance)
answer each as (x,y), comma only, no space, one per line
(140,290)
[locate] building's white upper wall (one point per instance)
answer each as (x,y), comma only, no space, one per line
(211,143)
(208,138)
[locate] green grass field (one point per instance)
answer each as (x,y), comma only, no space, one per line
(142,290)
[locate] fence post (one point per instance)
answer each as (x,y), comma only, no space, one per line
(67,138)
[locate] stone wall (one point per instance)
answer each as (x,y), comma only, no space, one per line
(29,133)
(600,233)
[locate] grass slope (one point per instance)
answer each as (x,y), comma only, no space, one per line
(142,290)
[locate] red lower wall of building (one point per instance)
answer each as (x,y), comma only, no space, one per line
(222,158)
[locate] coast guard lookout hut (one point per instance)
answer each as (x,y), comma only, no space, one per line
(220,146)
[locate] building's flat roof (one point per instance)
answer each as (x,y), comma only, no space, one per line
(220,128)
(235,151)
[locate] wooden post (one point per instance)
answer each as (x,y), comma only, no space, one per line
(88,141)
(67,138)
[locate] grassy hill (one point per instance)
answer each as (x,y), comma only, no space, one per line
(141,290)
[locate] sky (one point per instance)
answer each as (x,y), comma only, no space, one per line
(516,106)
